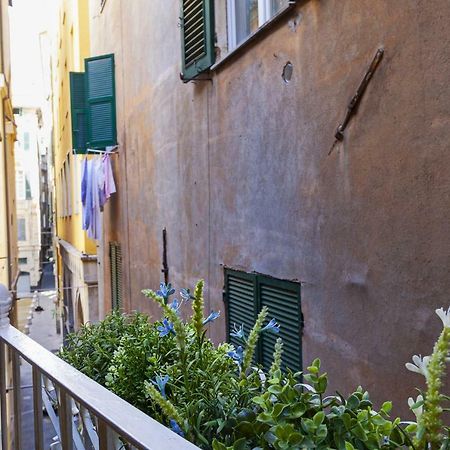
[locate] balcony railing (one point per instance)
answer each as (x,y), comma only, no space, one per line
(84,414)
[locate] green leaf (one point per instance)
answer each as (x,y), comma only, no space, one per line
(218,445)
(359,432)
(240,444)
(278,409)
(322,383)
(353,402)
(296,411)
(275,389)
(318,418)
(387,407)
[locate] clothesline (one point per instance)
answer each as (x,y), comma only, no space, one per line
(108,150)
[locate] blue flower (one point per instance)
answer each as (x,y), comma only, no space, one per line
(186,294)
(272,326)
(166,328)
(238,332)
(161,383)
(175,305)
(237,355)
(165,291)
(176,428)
(213,316)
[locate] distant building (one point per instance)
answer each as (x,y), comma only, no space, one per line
(8,221)
(27,156)
(75,252)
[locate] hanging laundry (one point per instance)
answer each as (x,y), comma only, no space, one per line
(110,185)
(97,185)
(86,198)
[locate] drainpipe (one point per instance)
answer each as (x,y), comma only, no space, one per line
(6,178)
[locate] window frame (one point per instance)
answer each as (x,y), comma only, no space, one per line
(264,16)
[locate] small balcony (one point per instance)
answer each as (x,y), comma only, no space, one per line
(83,414)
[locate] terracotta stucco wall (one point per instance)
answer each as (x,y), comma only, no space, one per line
(238,170)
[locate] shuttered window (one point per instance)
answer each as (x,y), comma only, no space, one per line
(93,105)
(246,294)
(101,101)
(115,253)
(197,37)
(78,112)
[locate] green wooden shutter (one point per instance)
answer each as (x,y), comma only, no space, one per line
(115,253)
(246,294)
(283,300)
(197,37)
(240,290)
(101,101)
(78,112)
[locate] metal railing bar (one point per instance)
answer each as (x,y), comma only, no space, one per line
(17,402)
(46,398)
(136,427)
(65,420)
(3,407)
(26,386)
(76,437)
(89,427)
(104,436)
(51,413)
(37,410)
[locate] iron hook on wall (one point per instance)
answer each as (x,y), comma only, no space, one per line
(356,99)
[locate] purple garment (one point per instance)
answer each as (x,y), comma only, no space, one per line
(110,185)
(95,227)
(97,185)
(86,198)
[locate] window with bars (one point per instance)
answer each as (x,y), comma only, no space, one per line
(246,294)
(115,254)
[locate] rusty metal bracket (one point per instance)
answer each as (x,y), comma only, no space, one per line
(356,99)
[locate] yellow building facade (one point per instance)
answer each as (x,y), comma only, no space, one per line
(75,252)
(8,222)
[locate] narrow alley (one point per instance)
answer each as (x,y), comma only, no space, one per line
(224,224)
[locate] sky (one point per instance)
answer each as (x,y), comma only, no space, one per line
(32,23)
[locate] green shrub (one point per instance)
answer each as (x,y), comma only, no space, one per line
(290,414)
(91,349)
(217,398)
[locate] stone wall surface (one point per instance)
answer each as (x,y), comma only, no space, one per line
(238,170)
